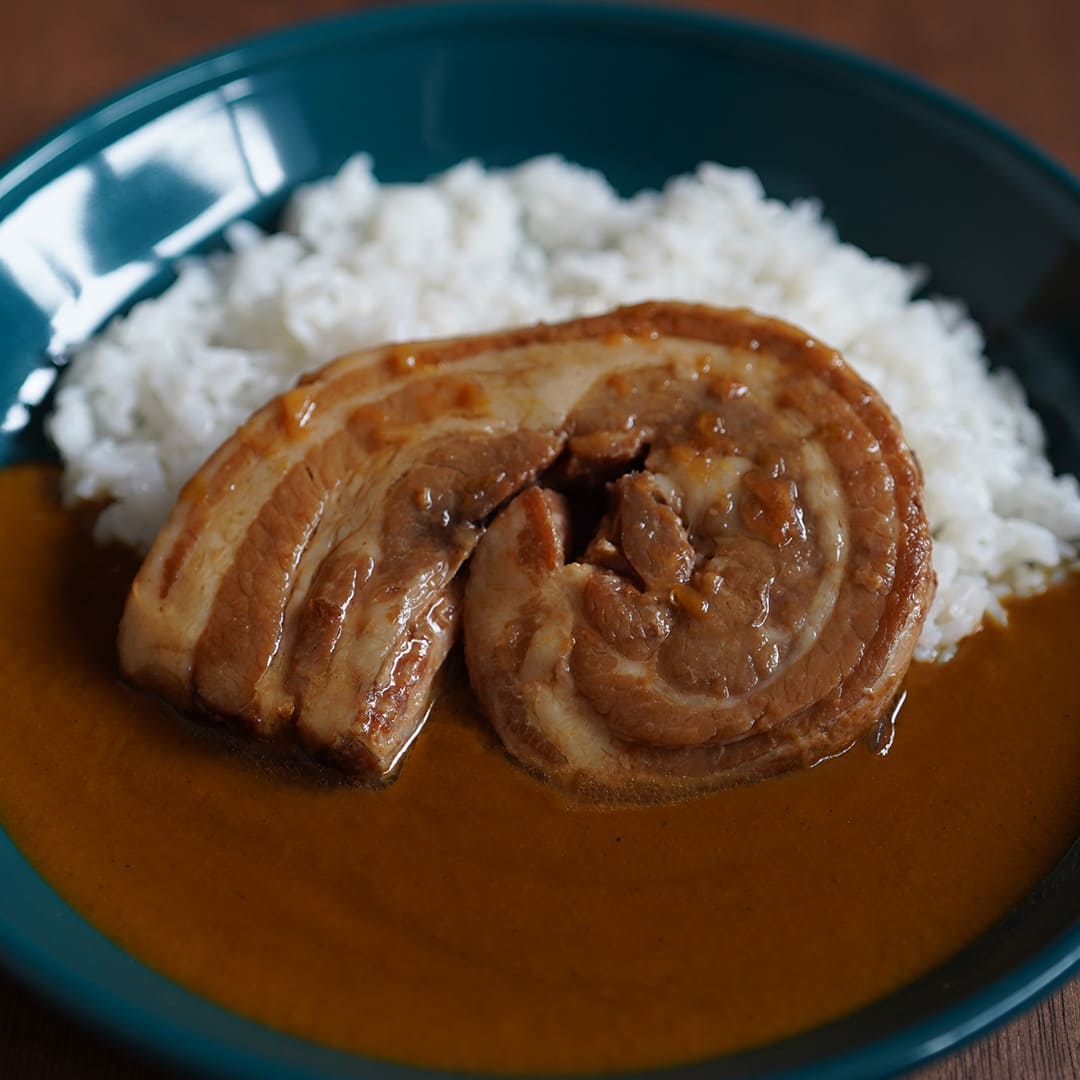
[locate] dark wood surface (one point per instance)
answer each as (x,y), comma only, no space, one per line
(1018,60)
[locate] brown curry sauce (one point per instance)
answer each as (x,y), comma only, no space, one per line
(470,917)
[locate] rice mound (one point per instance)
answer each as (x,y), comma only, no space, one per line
(358,263)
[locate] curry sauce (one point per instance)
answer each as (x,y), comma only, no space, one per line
(468,916)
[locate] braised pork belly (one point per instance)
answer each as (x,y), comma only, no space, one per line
(747,600)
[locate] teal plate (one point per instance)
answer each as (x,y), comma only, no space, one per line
(93,217)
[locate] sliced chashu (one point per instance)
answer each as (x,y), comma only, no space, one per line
(752,596)
(308,578)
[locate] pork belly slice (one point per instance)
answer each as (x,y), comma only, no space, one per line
(308,583)
(752,597)
(305,583)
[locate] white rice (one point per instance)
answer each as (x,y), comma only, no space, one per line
(358,263)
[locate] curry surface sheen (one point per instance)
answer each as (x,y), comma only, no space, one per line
(468,916)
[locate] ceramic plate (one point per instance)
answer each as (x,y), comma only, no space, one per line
(94,216)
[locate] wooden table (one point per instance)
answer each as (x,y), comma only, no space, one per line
(1017,60)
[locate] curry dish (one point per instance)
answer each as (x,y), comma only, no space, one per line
(468,915)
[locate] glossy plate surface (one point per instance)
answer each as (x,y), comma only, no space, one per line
(93,217)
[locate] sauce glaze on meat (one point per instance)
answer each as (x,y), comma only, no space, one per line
(749,602)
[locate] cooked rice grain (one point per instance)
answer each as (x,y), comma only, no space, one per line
(359,263)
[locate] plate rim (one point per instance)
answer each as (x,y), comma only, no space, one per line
(213,66)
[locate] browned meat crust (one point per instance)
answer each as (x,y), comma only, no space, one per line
(749,602)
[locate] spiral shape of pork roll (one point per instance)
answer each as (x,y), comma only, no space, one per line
(754,592)
(748,603)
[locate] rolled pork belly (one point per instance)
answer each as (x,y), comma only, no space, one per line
(685,546)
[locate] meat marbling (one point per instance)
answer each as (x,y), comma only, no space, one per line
(749,602)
